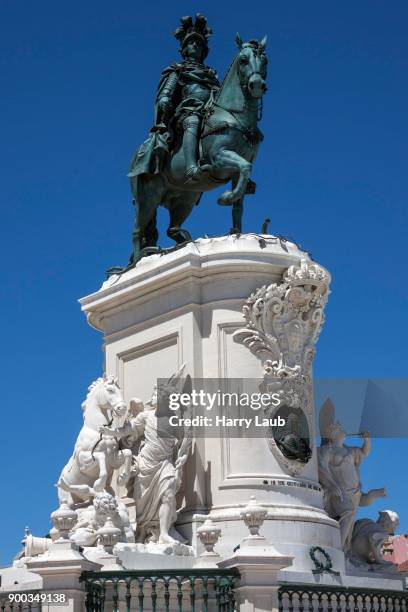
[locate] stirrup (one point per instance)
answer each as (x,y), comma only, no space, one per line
(192,174)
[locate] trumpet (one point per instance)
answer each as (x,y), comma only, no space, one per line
(355,435)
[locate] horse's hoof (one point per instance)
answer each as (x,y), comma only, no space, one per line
(167,539)
(226,199)
(179,235)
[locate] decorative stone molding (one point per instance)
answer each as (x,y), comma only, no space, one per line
(63,520)
(108,535)
(253,517)
(283,323)
(209,534)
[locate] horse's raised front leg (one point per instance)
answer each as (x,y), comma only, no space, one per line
(231,161)
(124,474)
(237,212)
(100,483)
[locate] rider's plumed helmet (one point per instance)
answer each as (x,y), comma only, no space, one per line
(197,29)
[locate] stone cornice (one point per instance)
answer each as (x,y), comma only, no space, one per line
(240,258)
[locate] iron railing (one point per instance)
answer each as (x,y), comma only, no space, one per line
(202,590)
(193,590)
(307,598)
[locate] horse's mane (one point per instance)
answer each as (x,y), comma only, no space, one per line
(107,380)
(227,75)
(235,100)
(230,95)
(102,380)
(228,83)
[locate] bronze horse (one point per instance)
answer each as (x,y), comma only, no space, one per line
(229,144)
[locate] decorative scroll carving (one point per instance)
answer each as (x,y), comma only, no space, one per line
(283,322)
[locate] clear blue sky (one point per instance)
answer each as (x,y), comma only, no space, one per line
(77,83)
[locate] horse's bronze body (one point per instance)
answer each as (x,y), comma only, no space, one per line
(228,146)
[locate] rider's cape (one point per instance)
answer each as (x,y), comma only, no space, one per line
(152,155)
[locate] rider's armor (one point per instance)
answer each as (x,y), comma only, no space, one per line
(195,90)
(185,89)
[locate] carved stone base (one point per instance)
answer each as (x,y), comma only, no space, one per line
(155,556)
(359,568)
(184,307)
(178,549)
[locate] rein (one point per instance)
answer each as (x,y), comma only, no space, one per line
(250,134)
(233,113)
(259,111)
(109,423)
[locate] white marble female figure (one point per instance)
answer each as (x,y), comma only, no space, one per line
(157,474)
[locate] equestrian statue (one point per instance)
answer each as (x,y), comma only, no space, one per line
(205,135)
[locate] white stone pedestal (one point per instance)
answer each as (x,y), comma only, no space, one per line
(258,567)
(60,569)
(185,307)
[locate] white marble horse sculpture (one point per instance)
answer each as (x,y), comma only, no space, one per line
(96,455)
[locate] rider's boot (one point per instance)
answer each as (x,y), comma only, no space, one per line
(191,126)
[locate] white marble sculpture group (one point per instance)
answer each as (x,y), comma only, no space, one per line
(105,448)
(283,324)
(339,475)
(120,445)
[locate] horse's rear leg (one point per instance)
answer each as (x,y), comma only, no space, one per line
(144,230)
(180,208)
(151,234)
(100,482)
(70,493)
(77,493)
(124,458)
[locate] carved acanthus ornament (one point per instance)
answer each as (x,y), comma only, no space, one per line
(253,517)
(209,534)
(283,322)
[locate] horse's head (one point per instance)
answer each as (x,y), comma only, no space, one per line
(252,66)
(108,396)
